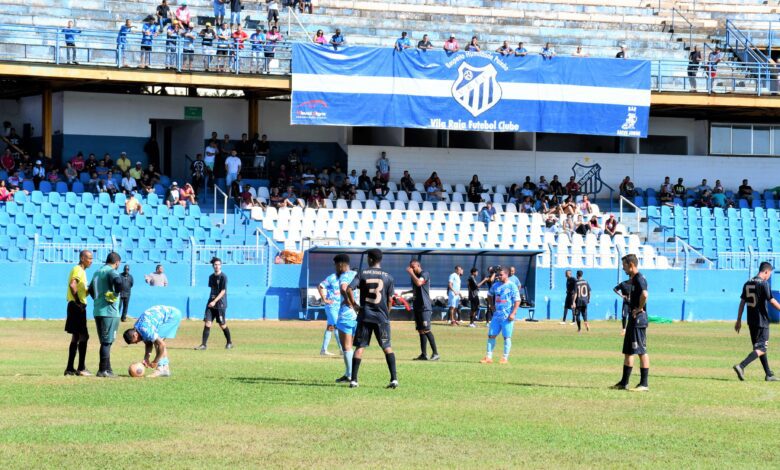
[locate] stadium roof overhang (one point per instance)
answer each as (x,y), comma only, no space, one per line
(715,106)
(426,251)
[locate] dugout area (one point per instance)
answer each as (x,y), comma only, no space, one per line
(440,263)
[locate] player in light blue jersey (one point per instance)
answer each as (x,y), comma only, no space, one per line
(153,327)
(513,278)
(506,298)
(347,317)
(331,297)
(453,295)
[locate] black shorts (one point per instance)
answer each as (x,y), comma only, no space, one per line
(626,311)
(363,334)
(422,320)
(568,301)
(635,341)
(759,336)
(582,311)
(474,304)
(222,51)
(146,48)
(215,315)
(273,15)
(76,321)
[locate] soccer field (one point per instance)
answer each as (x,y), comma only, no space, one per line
(272,402)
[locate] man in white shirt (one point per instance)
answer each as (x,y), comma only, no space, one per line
(128,183)
(453,294)
(210,155)
(232,168)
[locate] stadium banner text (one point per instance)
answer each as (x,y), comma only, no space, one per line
(469,91)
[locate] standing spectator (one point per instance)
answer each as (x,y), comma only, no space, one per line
(183,15)
(473,45)
(622,54)
(223,46)
(337,40)
(123,163)
(219,12)
(262,149)
(232,167)
(694,61)
(239,36)
(424,43)
(126,287)
(188,37)
(505,49)
(157,278)
(521,51)
(572,188)
(198,171)
(235,13)
(148,33)
(548,52)
(319,38)
(487,214)
(679,189)
(163,14)
(713,59)
(745,191)
(273,13)
(257,40)
(121,42)
(172,33)
(70,42)
(273,37)
(39,173)
(451,44)
(402,43)
(383,166)
(208,35)
(210,156)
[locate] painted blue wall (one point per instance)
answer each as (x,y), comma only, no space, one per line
(70,144)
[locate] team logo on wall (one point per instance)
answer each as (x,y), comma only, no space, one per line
(631,119)
(476,88)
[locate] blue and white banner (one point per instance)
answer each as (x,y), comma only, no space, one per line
(469,91)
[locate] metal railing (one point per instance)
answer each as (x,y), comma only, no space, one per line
(687,250)
(225,199)
(290,15)
(746,259)
(68,253)
(675,14)
(637,212)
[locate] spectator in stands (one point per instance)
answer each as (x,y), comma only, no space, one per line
(173,198)
(38,173)
(151,175)
(622,54)
(337,40)
(719,199)
(187,195)
(610,226)
(293,159)
(5,193)
(595,228)
(548,52)
(319,38)
(745,191)
(579,52)
(232,167)
(78,162)
(665,194)
(424,44)
(581,227)
(71,175)
(133,206)
(70,34)
(198,172)
(257,44)
(407,183)
(527,206)
(102,169)
(551,224)
(317,196)
(92,183)
(291,199)
(163,14)
(157,278)
(239,36)
(353,178)
(473,45)
(137,172)
(403,42)
(474,190)
(273,12)
(235,13)
(556,188)
(383,166)
(107,161)
(718,188)
(210,155)
(306,5)
(245,147)
(703,187)
(91,164)
(433,187)
(129,184)
(172,33)
(262,149)
(713,59)
(451,44)
(111,186)
(219,12)
(275,199)
(54,176)
(248,200)
(694,62)
(505,49)
(379,189)
(585,206)
(271,39)
(183,14)
(149,31)
(121,42)
(627,188)
(572,188)
(364,181)
(679,189)
(188,37)
(337,176)
(100,186)
(7,161)
(123,163)
(521,51)
(223,46)
(487,214)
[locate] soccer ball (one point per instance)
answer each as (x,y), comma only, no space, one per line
(137,369)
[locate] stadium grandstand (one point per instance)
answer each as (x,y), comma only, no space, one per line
(170,138)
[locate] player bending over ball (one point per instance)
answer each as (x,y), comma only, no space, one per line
(153,327)
(347,318)
(506,298)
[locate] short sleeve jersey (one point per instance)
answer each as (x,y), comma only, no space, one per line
(582,289)
(422,294)
(638,284)
(756,294)
(345,311)
(106,282)
(218,282)
(514,280)
(625,290)
(455,281)
(80,276)
(332,290)
(473,288)
(506,294)
(570,287)
(376,287)
(148,323)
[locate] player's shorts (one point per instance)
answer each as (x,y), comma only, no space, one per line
(273,15)
(422,320)
(219,9)
(380,330)
(76,321)
(347,326)
(501,326)
(106,329)
(332,314)
(169,329)
(582,311)
(568,301)
(759,336)
(635,341)
(146,48)
(474,304)
(235,17)
(453,301)
(215,315)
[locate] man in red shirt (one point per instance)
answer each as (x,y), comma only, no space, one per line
(451,44)
(7,161)
(239,36)
(572,188)
(78,162)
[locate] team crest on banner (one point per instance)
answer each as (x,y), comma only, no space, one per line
(476,88)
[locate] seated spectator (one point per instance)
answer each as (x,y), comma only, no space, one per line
(568,226)
(71,174)
(379,190)
(337,176)
(505,49)
(364,181)
(291,199)
(317,196)
(543,188)
(581,227)
(319,38)
(133,206)
(548,52)
(434,193)
(137,172)
(38,173)
(527,207)
(54,176)
(248,199)
(487,214)
(679,189)
(102,170)
(173,197)
(718,188)
(556,188)
(100,186)
(275,199)
(551,224)
(474,190)
(610,226)
(92,183)
(337,40)
(433,181)
(5,193)
(333,194)
(719,200)
(572,188)
(425,43)
(665,194)
(627,189)
(91,163)
(585,206)
(595,228)
(107,161)
(157,278)
(129,184)
(7,161)
(745,191)
(569,207)
(473,45)
(521,51)
(111,186)
(513,193)
(353,178)
(183,14)
(308,178)
(703,187)
(407,183)
(234,190)
(78,162)
(187,194)
(704,200)
(541,205)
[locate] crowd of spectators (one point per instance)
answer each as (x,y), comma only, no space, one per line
(701,195)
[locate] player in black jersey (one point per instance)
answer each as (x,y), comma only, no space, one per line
(567,303)
(756,294)
(421,306)
(581,301)
(635,340)
(623,290)
(376,289)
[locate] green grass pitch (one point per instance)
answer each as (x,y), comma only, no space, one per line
(272,402)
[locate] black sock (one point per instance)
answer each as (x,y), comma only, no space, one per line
(390,358)
(579,325)
(205,338)
(626,374)
(643,377)
(623,321)
(765,364)
(82,354)
(433,342)
(750,358)
(71,354)
(105,357)
(355,367)
(564,315)
(227,335)
(423,344)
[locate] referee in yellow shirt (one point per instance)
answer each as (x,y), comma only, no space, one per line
(76,322)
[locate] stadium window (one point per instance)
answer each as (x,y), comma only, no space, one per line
(744,139)
(720,139)
(741,140)
(776,141)
(761,140)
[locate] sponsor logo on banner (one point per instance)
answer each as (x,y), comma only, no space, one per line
(476,88)
(312,109)
(628,129)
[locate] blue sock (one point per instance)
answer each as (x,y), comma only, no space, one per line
(507,347)
(163,362)
(326,339)
(348,362)
(491,345)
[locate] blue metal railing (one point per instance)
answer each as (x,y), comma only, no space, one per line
(743,47)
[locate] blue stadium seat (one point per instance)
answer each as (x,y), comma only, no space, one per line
(97,209)
(88,198)
(38,220)
(82,232)
(47,208)
(742,203)
(71,198)
(165,181)
(37,197)
(14,254)
(3,175)
(91,220)
(56,220)
(84,177)
(66,230)
(73,220)
(47,231)
(78,187)
(150,232)
(45,187)
(120,199)
(162,210)
(152,199)
(191,222)
(770,204)
(13,230)
(104,199)
(28,186)
(159,190)
(639,201)
(134,233)
(179,212)
(183,234)
(55,198)
(5,219)
(61,187)
(166,232)
(161,244)
(100,232)
(205,222)
(677,202)
(652,201)
(156,256)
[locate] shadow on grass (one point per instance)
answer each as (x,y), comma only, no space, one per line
(280,381)
(719,379)
(525,384)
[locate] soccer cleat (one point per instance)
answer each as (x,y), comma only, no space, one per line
(421,357)
(619,386)
(486,360)
(202,347)
(504,360)
(70,372)
(343,379)
(640,388)
(771,378)
(393,384)
(471,325)
(740,372)
(435,357)
(326,353)
(106,374)
(353,384)
(229,346)
(160,372)
(84,373)
(587,327)
(562,323)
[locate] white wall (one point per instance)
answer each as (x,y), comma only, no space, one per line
(690,128)
(274,118)
(30,112)
(128,115)
(507,167)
